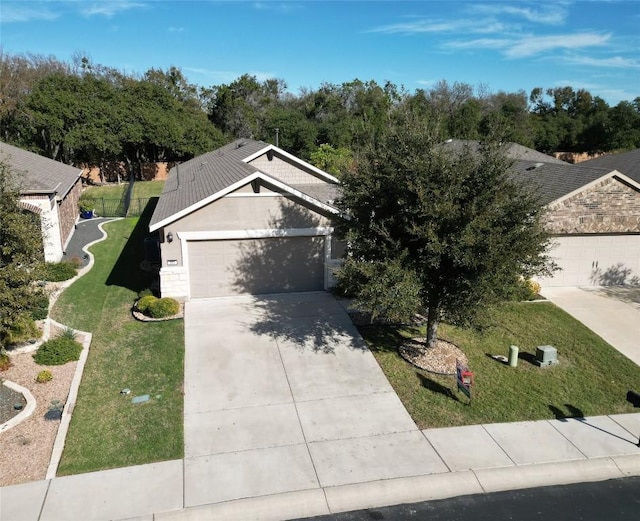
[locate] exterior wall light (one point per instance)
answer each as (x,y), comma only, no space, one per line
(169,237)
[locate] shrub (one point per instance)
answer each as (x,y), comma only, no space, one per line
(44,376)
(146,293)
(59,350)
(5,360)
(163,307)
(145,302)
(23,328)
(59,271)
(40,309)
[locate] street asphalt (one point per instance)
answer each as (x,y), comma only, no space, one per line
(287,415)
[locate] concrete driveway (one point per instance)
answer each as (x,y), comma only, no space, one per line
(611,312)
(282,395)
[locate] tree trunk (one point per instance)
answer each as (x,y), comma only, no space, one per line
(433,320)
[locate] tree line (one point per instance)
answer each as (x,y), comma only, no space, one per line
(79,112)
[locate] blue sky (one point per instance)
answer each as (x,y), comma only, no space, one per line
(505,46)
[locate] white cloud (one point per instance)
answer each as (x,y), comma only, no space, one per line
(108,8)
(483,26)
(550,14)
(615,62)
(530,45)
(23,12)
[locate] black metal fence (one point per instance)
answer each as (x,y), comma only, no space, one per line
(116,207)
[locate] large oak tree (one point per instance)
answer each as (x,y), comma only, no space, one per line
(433,228)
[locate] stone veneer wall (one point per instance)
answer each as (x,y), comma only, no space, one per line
(174,282)
(608,207)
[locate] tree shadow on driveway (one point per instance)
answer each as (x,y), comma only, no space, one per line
(313,321)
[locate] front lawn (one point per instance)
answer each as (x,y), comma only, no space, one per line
(592,378)
(107,430)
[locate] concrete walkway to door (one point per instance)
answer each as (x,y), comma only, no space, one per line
(282,395)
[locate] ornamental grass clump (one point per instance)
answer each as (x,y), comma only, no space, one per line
(59,350)
(44,376)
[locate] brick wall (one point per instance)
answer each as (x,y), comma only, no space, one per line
(608,207)
(68,212)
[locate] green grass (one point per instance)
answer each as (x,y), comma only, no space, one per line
(147,189)
(592,378)
(112,191)
(107,430)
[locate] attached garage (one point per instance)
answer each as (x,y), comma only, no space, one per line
(595,260)
(247,218)
(256,266)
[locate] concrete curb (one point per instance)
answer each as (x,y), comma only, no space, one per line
(414,489)
(26,412)
(63,428)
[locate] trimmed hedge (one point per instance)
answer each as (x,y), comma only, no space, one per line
(163,307)
(143,303)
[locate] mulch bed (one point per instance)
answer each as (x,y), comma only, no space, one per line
(439,359)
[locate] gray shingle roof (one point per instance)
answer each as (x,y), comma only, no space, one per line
(512,151)
(627,163)
(210,173)
(553,180)
(39,174)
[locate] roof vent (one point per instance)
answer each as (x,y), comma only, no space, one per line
(534,166)
(241,144)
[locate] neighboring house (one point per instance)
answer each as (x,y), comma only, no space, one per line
(50,189)
(593,214)
(246,218)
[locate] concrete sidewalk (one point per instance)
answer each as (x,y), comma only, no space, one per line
(478,459)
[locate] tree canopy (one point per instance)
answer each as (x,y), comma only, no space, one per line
(434,229)
(21,256)
(86,113)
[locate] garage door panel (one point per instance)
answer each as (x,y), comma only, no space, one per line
(256,266)
(595,260)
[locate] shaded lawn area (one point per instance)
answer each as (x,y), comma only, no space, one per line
(592,378)
(106,429)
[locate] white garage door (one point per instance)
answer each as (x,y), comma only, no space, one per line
(596,260)
(270,265)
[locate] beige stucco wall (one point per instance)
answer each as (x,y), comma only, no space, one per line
(241,213)
(285,170)
(610,206)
